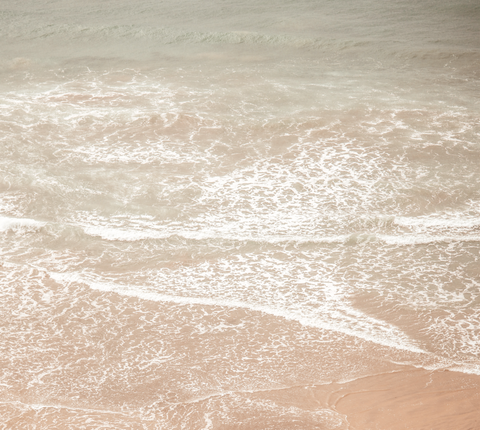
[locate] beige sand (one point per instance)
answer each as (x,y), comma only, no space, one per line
(413,399)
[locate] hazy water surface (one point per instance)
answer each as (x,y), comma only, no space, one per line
(201,200)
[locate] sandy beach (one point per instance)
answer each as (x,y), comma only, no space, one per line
(99,359)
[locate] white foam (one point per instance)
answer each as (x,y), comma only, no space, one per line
(19,224)
(127,235)
(132,235)
(469,368)
(459,221)
(420,239)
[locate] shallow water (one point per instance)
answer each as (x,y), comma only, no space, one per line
(205,200)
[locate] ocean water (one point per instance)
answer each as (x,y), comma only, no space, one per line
(206,202)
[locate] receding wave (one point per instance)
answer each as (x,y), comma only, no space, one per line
(362,326)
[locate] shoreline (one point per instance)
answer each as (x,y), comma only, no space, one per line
(414,399)
(130,363)
(399,400)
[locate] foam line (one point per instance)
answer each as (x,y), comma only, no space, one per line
(403,344)
(15,224)
(132,235)
(438,222)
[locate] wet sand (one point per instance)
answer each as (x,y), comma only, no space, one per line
(409,399)
(89,359)
(406,399)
